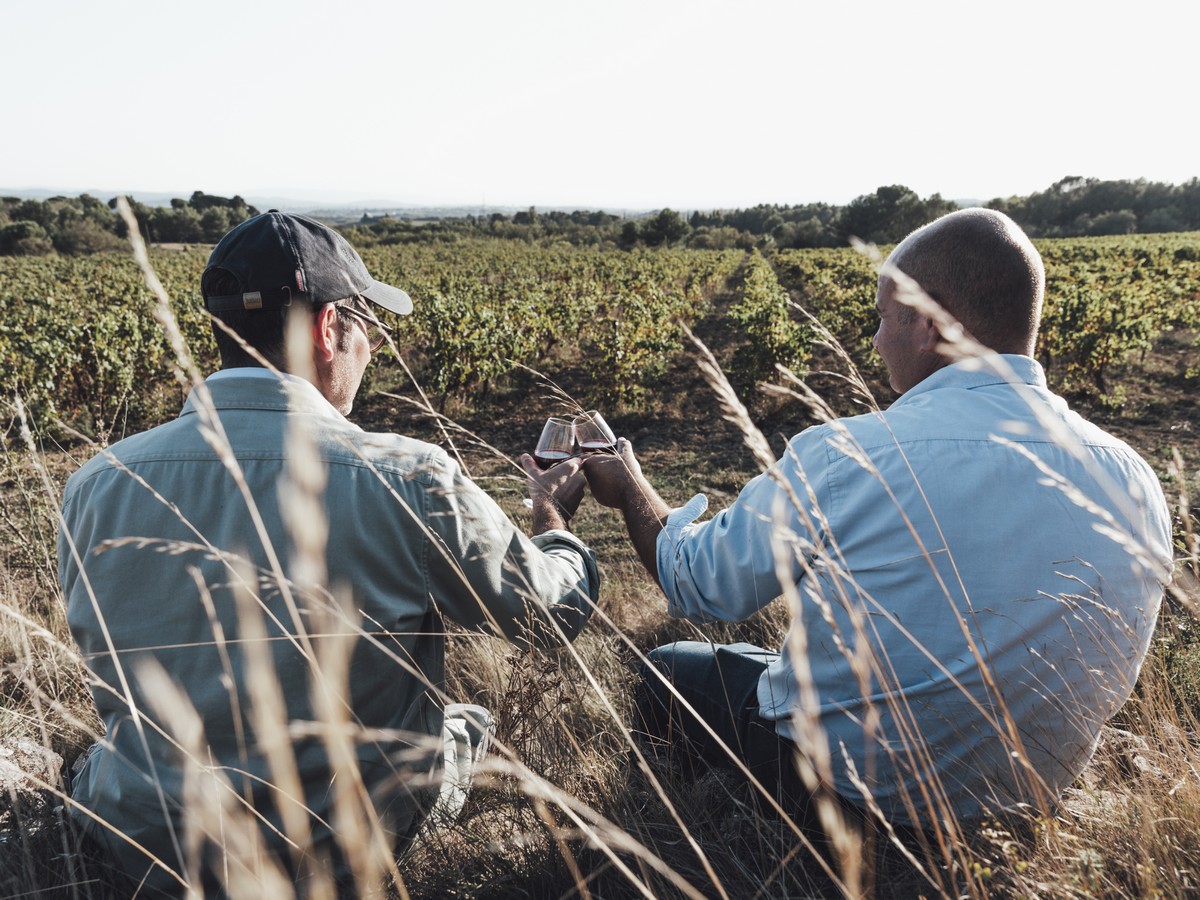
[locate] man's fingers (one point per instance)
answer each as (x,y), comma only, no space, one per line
(564,469)
(528,464)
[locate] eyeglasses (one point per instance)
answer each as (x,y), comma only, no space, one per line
(377,332)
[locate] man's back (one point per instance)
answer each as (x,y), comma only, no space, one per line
(196,573)
(992,600)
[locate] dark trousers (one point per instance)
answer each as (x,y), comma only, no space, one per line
(720,683)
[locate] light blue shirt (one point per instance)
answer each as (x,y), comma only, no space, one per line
(976,526)
(155,549)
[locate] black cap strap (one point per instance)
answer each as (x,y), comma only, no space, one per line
(277,299)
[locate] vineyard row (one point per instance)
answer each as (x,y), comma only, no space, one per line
(80,346)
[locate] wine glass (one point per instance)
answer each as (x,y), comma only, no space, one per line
(593,433)
(556,443)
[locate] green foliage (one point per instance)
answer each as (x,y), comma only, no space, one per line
(481,308)
(78,341)
(664,229)
(84,224)
(24,238)
(639,330)
(889,214)
(1073,206)
(774,334)
(1077,206)
(808,225)
(473,333)
(837,287)
(202,218)
(1108,298)
(1091,330)
(581,228)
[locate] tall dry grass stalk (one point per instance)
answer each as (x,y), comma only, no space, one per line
(569,803)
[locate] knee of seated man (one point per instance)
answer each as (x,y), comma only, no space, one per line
(650,695)
(664,675)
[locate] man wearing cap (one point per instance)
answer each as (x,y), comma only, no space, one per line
(258,589)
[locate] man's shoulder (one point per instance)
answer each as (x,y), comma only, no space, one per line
(340,443)
(388,452)
(984,417)
(118,453)
(861,430)
(969,413)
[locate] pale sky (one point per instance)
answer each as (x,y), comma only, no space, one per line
(617,104)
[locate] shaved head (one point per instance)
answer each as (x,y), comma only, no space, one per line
(982,268)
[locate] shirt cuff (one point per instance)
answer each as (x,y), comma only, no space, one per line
(557,537)
(667,549)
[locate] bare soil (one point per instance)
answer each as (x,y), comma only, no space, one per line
(680,433)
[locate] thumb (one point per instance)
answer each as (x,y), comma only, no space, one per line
(529,465)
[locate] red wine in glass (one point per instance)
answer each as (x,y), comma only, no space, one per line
(556,443)
(547,458)
(593,433)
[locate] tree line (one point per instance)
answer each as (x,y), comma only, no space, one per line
(84,224)
(1071,207)
(880,217)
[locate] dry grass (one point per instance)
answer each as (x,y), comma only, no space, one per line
(569,804)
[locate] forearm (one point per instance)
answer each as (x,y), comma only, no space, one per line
(548,515)
(645,515)
(485,573)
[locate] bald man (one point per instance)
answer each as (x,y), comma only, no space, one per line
(974,573)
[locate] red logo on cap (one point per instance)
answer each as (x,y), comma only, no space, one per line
(300,281)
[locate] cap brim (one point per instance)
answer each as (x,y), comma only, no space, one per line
(390,298)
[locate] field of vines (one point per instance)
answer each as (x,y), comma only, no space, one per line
(79,344)
(84,361)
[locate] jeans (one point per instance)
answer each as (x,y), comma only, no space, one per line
(720,683)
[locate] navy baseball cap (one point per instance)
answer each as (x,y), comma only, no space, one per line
(279,259)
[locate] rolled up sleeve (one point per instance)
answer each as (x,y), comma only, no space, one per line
(725,569)
(669,550)
(574,610)
(486,573)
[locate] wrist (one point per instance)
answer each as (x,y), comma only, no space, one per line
(549,514)
(561,511)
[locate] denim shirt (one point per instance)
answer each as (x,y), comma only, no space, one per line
(974,576)
(178,552)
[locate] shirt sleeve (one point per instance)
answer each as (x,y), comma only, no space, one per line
(725,568)
(485,573)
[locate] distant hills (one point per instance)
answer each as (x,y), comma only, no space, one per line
(324,209)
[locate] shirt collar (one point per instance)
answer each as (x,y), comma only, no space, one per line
(981,371)
(251,372)
(254,387)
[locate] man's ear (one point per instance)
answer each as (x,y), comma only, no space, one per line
(930,336)
(325,336)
